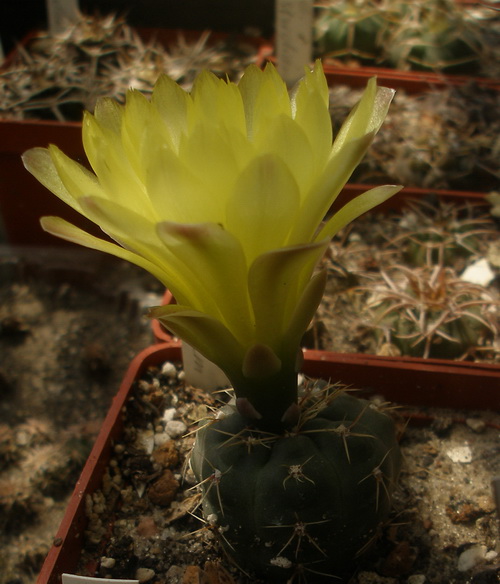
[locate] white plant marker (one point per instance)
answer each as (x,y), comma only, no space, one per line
(73,579)
(60,13)
(294,24)
(200,372)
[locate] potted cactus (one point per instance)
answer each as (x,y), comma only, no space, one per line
(425,36)
(226,189)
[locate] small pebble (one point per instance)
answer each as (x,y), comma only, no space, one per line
(476,425)
(161,438)
(471,557)
(144,575)
(175,428)
(163,491)
(108,562)
(169,370)
(478,273)
(168,415)
(462,454)
(147,527)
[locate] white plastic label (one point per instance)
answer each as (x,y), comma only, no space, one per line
(72,579)
(200,372)
(294,24)
(60,13)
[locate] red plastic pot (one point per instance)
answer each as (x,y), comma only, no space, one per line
(409,81)
(414,382)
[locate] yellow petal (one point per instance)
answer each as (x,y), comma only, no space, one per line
(176,193)
(61,228)
(115,172)
(206,334)
(216,260)
(276,282)
(304,311)
(313,116)
(263,206)
(359,205)
(265,96)
(109,114)
(286,139)
(39,163)
(173,105)
(325,191)
(367,115)
(76,178)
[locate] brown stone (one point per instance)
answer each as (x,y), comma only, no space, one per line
(147,527)
(191,575)
(400,560)
(163,491)
(214,573)
(166,455)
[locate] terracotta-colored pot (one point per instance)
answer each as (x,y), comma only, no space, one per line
(409,81)
(410,381)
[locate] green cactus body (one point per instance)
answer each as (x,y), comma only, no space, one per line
(452,339)
(309,500)
(430,312)
(434,37)
(348,30)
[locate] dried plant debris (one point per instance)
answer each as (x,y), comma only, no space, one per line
(442,35)
(440,139)
(58,76)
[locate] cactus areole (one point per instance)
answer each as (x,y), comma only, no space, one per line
(304,504)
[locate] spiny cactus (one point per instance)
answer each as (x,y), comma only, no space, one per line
(351,28)
(59,76)
(305,504)
(437,35)
(429,312)
(444,234)
(434,36)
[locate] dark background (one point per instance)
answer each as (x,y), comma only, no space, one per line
(20,16)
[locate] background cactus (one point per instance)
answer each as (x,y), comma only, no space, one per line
(429,312)
(445,233)
(57,76)
(351,28)
(304,504)
(436,36)
(439,35)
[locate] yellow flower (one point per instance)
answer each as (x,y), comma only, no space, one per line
(221,194)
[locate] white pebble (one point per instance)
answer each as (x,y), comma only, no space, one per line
(470,557)
(175,428)
(478,273)
(144,575)
(169,370)
(168,414)
(107,562)
(161,438)
(476,425)
(461,454)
